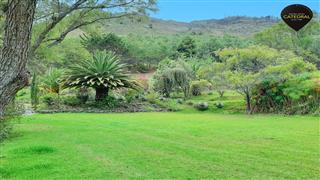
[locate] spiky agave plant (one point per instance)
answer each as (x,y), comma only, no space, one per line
(103,72)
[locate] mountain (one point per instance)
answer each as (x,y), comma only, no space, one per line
(235,25)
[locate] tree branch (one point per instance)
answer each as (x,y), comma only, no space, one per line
(77,25)
(106,7)
(54,22)
(84,9)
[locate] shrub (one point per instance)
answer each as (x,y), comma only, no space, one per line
(187,47)
(190,103)
(297,95)
(197,87)
(143,67)
(5,128)
(108,102)
(83,95)
(152,97)
(170,105)
(50,99)
(72,101)
(219,105)
(202,106)
(180,101)
(164,84)
(131,95)
(172,80)
(119,97)
(13,112)
(143,81)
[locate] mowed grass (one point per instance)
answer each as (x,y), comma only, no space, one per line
(162,145)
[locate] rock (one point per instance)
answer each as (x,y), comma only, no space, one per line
(180,101)
(202,106)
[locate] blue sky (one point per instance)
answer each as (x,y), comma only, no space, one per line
(189,10)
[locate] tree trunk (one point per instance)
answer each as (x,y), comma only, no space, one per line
(15,50)
(221,93)
(248,102)
(101,93)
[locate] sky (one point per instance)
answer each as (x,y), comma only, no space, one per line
(190,10)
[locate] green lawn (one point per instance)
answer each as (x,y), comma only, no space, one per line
(162,145)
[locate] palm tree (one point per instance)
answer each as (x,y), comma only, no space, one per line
(103,72)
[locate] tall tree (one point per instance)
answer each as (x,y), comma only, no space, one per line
(21,15)
(187,47)
(245,65)
(15,50)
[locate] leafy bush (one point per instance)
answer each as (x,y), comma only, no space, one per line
(187,47)
(5,128)
(152,97)
(12,113)
(164,83)
(170,105)
(173,76)
(216,74)
(143,67)
(119,97)
(143,81)
(51,99)
(173,79)
(202,106)
(197,87)
(108,102)
(72,101)
(180,101)
(143,98)
(131,95)
(219,105)
(296,95)
(190,103)
(83,95)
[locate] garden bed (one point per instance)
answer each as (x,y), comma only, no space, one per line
(136,107)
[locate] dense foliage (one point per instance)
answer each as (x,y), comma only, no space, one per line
(304,43)
(265,69)
(105,42)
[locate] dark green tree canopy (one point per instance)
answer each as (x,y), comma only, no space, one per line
(187,47)
(105,42)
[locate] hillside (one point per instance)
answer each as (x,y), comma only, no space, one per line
(236,25)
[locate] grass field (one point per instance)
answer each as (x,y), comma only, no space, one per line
(162,145)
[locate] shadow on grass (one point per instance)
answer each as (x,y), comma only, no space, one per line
(34,150)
